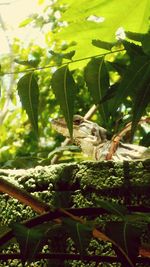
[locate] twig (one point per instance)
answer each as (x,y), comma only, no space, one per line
(23,196)
(116,139)
(69,62)
(90,112)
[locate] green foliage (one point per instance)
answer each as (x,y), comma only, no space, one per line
(80,233)
(132,84)
(103,44)
(29,63)
(30,241)
(101,19)
(26,22)
(114,208)
(29,95)
(135,83)
(144,39)
(127,237)
(97,80)
(68,55)
(64,88)
(118,82)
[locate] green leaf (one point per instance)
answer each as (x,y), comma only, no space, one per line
(25,22)
(145,141)
(142,98)
(110,93)
(64,87)
(115,14)
(103,44)
(139,218)
(97,80)
(132,49)
(114,208)
(144,39)
(133,80)
(29,95)
(127,237)
(58,244)
(30,241)
(68,55)
(80,233)
(146,43)
(29,63)
(134,36)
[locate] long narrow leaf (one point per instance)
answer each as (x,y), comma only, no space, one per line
(103,44)
(114,208)
(64,88)
(134,36)
(127,237)
(142,99)
(80,233)
(133,79)
(68,55)
(29,63)
(133,50)
(28,91)
(143,38)
(30,241)
(97,80)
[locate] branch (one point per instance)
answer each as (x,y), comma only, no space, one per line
(116,139)
(23,196)
(63,64)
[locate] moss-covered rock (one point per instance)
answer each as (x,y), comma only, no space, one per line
(77,185)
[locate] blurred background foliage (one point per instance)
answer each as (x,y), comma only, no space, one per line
(66,26)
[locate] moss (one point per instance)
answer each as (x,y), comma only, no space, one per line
(81,201)
(98,175)
(12,211)
(86,183)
